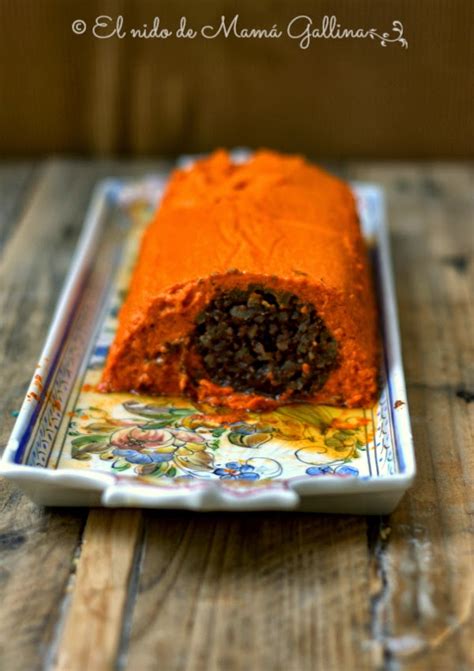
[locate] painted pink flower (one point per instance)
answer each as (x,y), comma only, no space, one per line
(183,436)
(143,446)
(137,438)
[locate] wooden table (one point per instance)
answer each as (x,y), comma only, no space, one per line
(266,591)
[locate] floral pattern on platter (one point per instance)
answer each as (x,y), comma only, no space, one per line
(172,440)
(250,470)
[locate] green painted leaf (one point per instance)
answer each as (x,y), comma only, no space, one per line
(158,425)
(334,443)
(101,427)
(182,412)
(84,440)
(121,467)
(249,440)
(152,411)
(343,434)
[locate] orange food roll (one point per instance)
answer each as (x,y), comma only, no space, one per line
(252,289)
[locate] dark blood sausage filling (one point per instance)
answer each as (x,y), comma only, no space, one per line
(265,341)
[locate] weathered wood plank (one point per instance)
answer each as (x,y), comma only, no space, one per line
(424,615)
(36,560)
(255,591)
(15,180)
(93,628)
(37,547)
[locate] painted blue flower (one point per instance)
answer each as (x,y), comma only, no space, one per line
(319,470)
(347,470)
(232,470)
(135,457)
(329,470)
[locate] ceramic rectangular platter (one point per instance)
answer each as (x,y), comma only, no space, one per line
(74,446)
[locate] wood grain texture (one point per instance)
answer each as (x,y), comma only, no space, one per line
(339,97)
(37,547)
(15,180)
(255,591)
(95,616)
(268,591)
(425,609)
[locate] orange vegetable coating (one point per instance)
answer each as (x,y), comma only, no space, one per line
(275,221)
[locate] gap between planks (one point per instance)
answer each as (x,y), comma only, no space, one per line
(92,631)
